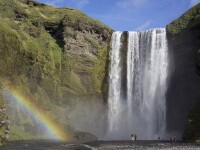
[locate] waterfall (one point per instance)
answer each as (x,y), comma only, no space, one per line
(115,83)
(143,112)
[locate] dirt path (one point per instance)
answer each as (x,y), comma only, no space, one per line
(99,145)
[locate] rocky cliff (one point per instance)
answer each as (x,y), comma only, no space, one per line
(55,56)
(4,120)
(192,131)
(184,81)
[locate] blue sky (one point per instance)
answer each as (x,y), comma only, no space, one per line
(129,15)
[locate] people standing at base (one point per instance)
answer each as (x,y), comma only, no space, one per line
(132,137)
(135,137)
(171,140)
(174,139)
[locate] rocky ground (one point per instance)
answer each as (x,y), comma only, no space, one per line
(99,145)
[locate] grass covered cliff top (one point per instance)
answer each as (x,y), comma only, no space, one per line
(32,37)
(28,9)
(189,19)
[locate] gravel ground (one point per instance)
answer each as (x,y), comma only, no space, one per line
(99,145)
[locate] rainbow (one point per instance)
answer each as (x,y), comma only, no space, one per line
(56,131)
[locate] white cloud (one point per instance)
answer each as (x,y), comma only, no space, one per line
(114,17)
(129,4)
(53,2)
(80,3)
(143,26)
(194,2)
(73,3)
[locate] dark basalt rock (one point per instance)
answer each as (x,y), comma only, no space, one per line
(184,82)
(56,30)
(192,131)
(198,61)
(4,121)
(84,136)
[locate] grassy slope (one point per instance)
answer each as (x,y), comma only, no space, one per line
(32,61)
(187,20)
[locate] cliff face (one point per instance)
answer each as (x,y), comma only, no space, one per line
(4,120)
(192,131)
(184,81)
(55,56)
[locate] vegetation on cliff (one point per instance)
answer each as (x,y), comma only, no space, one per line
(4,120)
(184,42)
(192,132)
(189,20)
(53,55)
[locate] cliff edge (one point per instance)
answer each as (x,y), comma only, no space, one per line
(184,80)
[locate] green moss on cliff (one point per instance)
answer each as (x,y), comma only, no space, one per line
(9,46)
(187,20)
(184,32)
(183,35)
(192,132)
(99,71)
(18,132)
(34,62)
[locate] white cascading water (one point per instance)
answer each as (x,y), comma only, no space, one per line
(144,113)
(115,84)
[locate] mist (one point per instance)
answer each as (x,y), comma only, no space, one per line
(88,116)
(23,122)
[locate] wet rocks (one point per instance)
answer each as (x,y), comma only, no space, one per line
(184,81)
(84,136)
(192,131)
(4,121)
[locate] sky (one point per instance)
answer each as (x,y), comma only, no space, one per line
(129,15)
